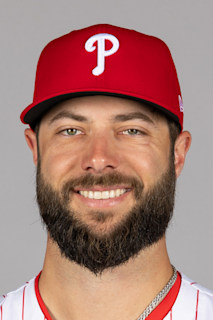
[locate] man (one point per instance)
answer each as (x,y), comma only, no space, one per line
(106,134)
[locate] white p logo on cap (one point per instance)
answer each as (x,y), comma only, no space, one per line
(101,52)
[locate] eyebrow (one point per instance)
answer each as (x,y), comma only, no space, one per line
(70,115)
(133,116)
(117,118)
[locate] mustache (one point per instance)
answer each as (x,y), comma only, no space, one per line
(106,180)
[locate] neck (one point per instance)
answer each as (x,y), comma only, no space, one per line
(119,293)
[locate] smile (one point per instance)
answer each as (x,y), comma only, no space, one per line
(102,195)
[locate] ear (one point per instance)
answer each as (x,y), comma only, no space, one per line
(31,139)
(182,146)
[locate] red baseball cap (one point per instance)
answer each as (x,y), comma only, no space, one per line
(106,60)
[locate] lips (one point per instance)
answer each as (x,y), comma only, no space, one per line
(101,197)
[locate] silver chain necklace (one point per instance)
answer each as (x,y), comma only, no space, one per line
(160,296)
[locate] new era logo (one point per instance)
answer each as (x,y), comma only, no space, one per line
(181,104)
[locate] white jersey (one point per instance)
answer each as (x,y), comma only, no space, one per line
(185,301)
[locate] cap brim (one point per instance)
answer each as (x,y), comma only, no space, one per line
(33,113)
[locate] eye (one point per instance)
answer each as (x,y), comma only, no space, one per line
(133,132)
(71,132)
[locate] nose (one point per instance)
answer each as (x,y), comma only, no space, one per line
(100,156)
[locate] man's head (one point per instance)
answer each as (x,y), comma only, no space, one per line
(108,142)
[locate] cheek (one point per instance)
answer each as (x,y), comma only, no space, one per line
(58,165)
(149,165)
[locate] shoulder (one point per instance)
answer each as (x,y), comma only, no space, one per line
(19,302)
(15,295)
(194,286)
(191,289)
(193,300)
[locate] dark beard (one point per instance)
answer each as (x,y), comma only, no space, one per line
(144,225)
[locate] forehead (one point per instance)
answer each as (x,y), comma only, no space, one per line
(93,108)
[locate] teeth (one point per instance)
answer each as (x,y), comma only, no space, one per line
(117,192)
(90,195)
(86,193)
(104,194)
(98,195)
(112,194)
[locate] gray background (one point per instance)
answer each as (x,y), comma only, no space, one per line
(25,28)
